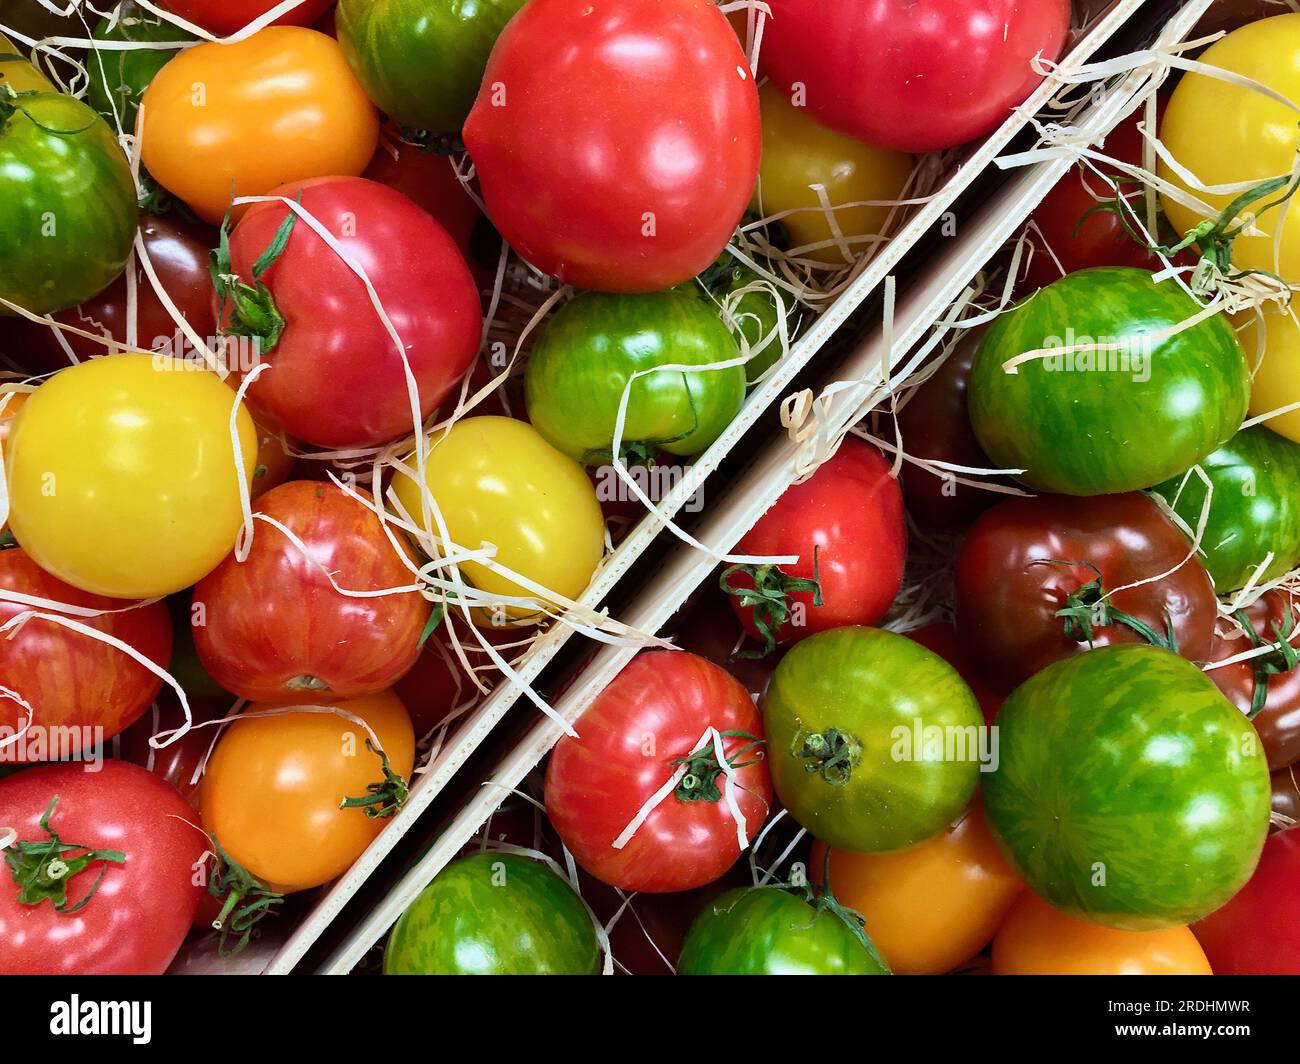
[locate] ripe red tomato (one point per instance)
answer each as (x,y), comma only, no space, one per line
(72,680)
(846,523)
(1008,593)
(224,17)
(629,744)
(943,639)
(597,159)
(274,629)
(336,379)
(913,75)
(1258,931)
(134,921)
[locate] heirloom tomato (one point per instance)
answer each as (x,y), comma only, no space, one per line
(598,346)
(1047,577)
(122,474)
(1274,359)
(650,722)
(1110,402)
(872,740)
(596,160)
(227,120)
(1130,792)
(224,17)
(273,627)
(494,914)
(117,77)
(277,792)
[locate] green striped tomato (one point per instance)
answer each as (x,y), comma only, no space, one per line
(494,914)
(1130,792)
(871,739)
(1103,418)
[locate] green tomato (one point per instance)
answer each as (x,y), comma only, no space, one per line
(590,349)
(1254,507)
(769,931)
(756,315)
(873,741)
(67,202)
(1100,420)
(117,79)
(494,914)
(421,61)
(1130,792)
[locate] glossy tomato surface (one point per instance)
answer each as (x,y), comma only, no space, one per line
(1258,931)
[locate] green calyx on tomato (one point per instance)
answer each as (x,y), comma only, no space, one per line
(1088,608)
(831,754)
(769,598)
(253,313)
(245,901)
(42,870)
(1214,237)
(1283,658)
(700,784)
(384,798)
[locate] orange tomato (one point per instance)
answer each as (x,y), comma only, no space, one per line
(278,107)
(271,791)
(1036,939)
(933,906)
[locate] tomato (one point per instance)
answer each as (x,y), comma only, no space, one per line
(799,152)
(588,352)
(1038,940)
(273,628)
(1130,792)
(640,729)
(224,17)
(178,762)
(18,72)
(275,460)
(336,379)
(137,448)
(422,62)
(1113,418)
(851,718)
(943,639)
(1255,137)
(1286,797)
(1258,931)
(752,311)
(931,907)
(495,480)
(913,75)
(1275,366)
(68,202)
(272,790)
(846,525)
(494,914)
(1011,585)
(117,77)
(597,162)
(73,682)
(216,118)
(711,630)
(768,931)
(136,832)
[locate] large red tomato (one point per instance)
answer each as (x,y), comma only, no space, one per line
(336,380)
(1258,931)
(224,17)
(638,731)
(1011,589)
(72,680)
(617,143)
(125,824)
(913,75)
(846,525)
(274,629)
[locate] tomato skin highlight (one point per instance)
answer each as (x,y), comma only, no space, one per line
(596,161)
(598,782)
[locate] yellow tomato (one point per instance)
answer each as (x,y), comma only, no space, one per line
(280,106)
(7,416)
(272,789)
(18,73)
(497,481)
(1225,134)
(1275,369)
(122,475)
(931,907)
(1036,939)
(797,153)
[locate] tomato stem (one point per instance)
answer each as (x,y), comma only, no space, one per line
(1284,658)
(832,754)
(700,784)
(769,598)
(246,900)
(384,798)
(42,870)
(1088,608)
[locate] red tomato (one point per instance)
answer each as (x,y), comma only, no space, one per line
(1258,931)
(1008,593)
(944,640)
(846,522)
(72,680)
(274,629)
(913,75)
(135,920)
(598,160)
(224,17)
(629,740)
(177,762)
(336,380)
(712,630)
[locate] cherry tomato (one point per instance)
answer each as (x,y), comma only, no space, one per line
(225,17)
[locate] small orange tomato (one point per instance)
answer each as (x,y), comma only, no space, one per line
(1036,939)
(279,107)
(272,788)
(933,906)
